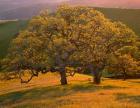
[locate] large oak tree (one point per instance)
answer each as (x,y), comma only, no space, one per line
(72,36)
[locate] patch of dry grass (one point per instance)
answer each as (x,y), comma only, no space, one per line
(46,92)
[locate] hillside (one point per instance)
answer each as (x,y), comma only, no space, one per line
(17,9)
(72,58)
(129,4)
(26,12)
(130,17)
(8,30)
(45,92)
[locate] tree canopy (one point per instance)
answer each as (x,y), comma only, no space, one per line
(72,37)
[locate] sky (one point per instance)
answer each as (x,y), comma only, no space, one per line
(100,3)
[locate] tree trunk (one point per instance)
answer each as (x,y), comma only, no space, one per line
(96,75)
(63,77)
(124,75)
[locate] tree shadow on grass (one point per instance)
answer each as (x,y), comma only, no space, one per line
(89,87)
(50,92)
(129,98)
(134,81)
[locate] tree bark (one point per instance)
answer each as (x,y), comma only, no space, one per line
(124,74)
(96,75)
(63,77)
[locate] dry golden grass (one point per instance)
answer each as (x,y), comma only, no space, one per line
(46,92)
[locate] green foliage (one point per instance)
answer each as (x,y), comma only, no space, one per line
(124,66)
(130,17)
(72,35)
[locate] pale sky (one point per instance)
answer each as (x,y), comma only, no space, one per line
(104,3)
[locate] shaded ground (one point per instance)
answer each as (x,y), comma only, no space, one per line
(46,92)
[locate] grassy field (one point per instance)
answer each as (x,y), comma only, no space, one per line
(46,92)
(8,30)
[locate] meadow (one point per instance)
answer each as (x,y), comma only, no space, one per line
(45,47)
(46,92)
